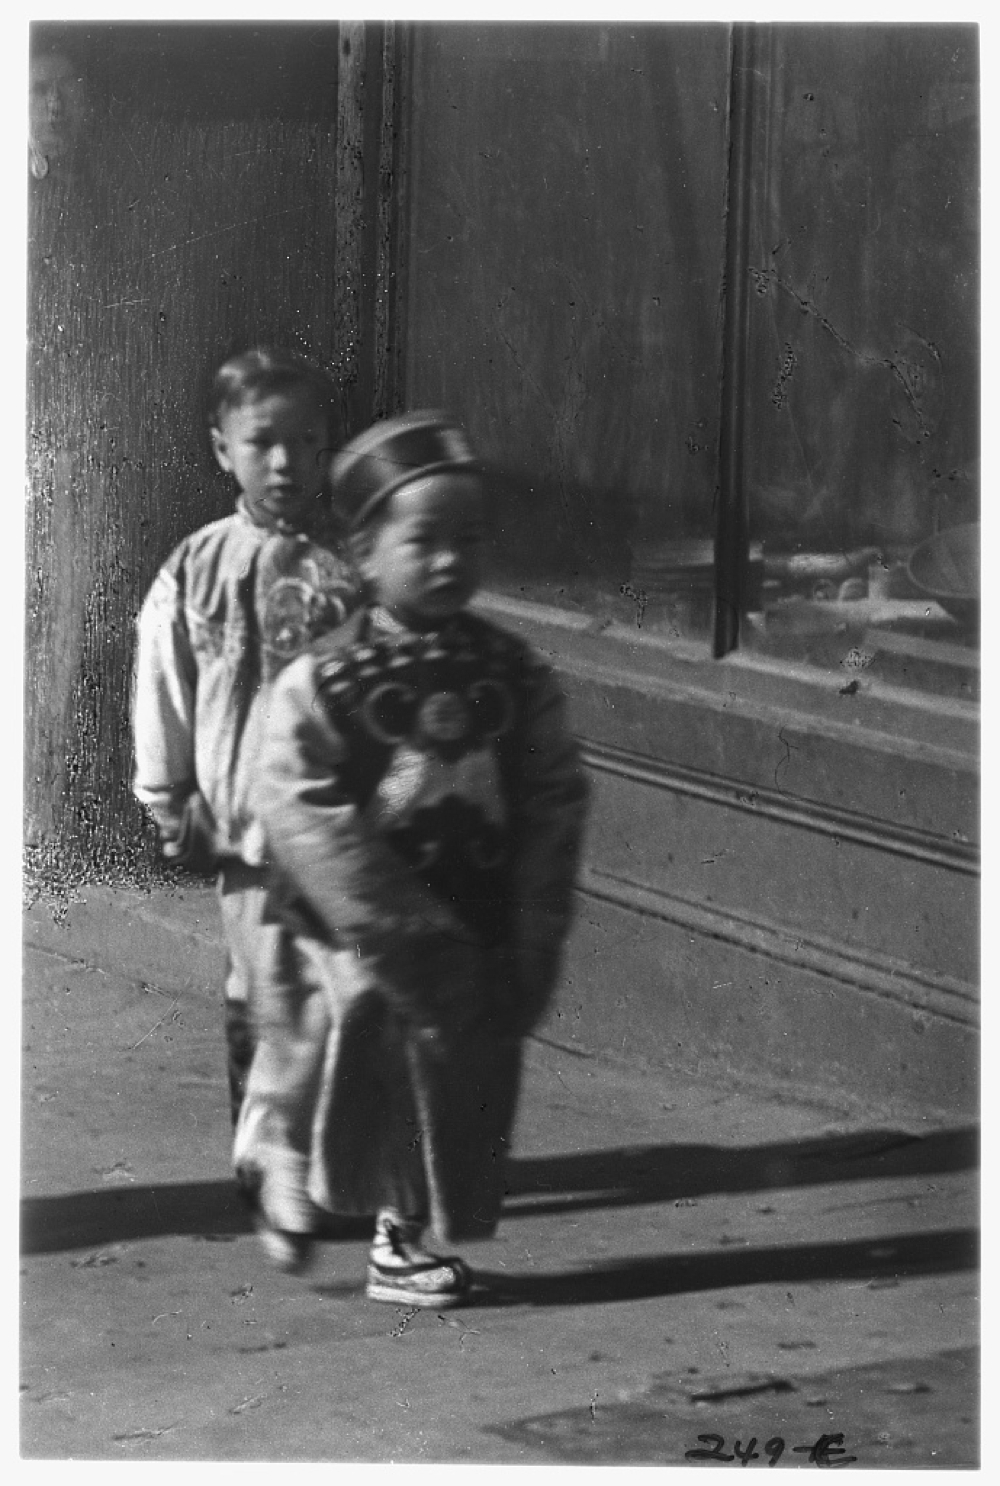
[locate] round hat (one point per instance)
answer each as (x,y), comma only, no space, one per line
(392,453)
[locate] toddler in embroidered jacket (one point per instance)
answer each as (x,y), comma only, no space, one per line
(229,608)
(424,803)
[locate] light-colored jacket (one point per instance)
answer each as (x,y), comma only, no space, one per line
(232,605)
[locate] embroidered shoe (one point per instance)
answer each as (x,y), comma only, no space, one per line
(437,1284)
(402,1273)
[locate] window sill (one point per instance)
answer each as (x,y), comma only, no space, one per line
(884,752)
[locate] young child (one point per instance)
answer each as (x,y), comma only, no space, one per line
(424,805)
(230,607)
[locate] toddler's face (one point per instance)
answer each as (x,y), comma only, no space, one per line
(423,562)
(278,450)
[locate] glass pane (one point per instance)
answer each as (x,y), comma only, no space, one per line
(863,436)
(565,258)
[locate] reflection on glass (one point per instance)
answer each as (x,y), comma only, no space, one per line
(55,107)
(909,617)
(862,402)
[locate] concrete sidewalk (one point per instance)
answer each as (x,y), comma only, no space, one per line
(676,1258)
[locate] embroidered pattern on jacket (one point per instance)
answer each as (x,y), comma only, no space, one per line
(430,719)
(302,591)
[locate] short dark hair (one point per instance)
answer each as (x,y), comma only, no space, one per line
(263,371)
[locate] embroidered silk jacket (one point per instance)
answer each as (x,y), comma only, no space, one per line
(424,804)
(415,786)
(230,607)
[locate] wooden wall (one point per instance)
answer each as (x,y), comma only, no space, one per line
(189,212)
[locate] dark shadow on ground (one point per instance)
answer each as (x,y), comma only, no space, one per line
(628,1176)
(633,1175)
(207,1210)
(884,1261)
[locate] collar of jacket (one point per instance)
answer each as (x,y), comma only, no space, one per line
(324,516)
(381,622)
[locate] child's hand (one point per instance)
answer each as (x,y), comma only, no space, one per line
(193,845)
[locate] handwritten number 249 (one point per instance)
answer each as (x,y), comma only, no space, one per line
(774,1449)
(825,1451)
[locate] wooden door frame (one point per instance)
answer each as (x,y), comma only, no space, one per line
(371,195)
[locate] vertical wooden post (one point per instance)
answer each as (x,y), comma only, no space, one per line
(370,153)
(349,191)
(390,189)
(732,516)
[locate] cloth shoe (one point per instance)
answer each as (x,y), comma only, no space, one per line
(401,1272)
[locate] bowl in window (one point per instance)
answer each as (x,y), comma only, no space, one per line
(945,567)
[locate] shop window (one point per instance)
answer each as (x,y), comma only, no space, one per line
(566,249)
(572,209)
(861,432)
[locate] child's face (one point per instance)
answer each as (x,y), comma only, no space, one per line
(278,450)
(423,562)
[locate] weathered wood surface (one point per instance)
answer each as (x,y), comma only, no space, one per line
(193,212)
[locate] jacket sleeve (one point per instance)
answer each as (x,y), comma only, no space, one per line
(550,792)
(362,890)
(163,703)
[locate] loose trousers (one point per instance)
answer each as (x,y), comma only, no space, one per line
(352,1105)
(252,948)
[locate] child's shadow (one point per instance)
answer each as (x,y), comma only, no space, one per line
(880,1261)
(544,1185)
(635,1175)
